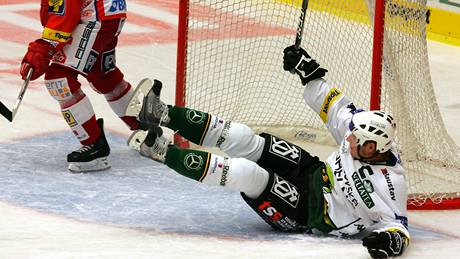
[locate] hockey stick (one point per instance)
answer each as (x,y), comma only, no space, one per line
(9,114)
(298,37)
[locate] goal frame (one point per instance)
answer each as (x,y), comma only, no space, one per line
(375,87)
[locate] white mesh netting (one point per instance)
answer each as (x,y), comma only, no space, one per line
(234,69)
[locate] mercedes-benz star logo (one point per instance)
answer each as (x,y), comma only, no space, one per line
(193,161)
(195,116)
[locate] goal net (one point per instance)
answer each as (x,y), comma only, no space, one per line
(230,63)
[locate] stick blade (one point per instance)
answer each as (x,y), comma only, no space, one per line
(6,112)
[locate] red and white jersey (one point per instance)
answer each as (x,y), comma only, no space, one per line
(360,196)
(93,10)
(60,17)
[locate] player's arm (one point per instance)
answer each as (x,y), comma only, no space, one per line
(59,18)
(325,99)
(387,242)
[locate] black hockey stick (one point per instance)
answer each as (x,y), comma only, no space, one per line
(298,37)
(9,114)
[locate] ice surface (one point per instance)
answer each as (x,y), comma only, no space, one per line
(139,208)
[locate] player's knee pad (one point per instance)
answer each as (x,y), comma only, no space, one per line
(282,205)
(236,139)
(62,85)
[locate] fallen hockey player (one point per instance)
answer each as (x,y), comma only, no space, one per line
(359,190)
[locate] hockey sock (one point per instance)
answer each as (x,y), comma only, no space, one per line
(81,119)
(236,174)
(189,163)
(191,124)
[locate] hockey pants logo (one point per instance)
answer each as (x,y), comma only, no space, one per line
(286,191)
(283,149)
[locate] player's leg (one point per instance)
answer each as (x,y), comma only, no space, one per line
(237,174)
(79,58)
(235,139)
(78,112)
(103,74)
(294,204)
(284,205)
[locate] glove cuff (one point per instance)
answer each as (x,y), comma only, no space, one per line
(43,46)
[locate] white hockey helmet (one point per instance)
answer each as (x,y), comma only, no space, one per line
(374,126)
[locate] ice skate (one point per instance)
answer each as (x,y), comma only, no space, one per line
(146,105)
(151,144)
(92,157)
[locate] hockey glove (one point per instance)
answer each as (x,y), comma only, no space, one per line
(298,61)
(38,57)
(386,244)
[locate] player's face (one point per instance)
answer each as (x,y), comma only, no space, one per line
(354,151)
(365,152)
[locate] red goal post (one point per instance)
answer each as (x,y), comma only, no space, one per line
(229,62)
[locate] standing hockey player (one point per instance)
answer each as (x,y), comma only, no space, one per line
(359,190)
(79,38)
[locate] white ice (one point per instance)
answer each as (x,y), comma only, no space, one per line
(141,209)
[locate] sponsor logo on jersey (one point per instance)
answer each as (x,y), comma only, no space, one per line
(117,6)
(391,188)
(363,189)
(56,7)
(193,162)
(331,97)
(59,36)
(341,177)
(108,61)
(368,186)
(195,117)
(69,118)
(286,191)
(285,150)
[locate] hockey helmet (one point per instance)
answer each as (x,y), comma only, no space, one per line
(374,126)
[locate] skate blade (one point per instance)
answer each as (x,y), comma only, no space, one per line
(136,139)
(135,103)
(98,164)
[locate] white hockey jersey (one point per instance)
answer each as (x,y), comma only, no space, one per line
(361,196)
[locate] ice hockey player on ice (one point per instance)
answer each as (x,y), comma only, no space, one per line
(80,38)
(359,191)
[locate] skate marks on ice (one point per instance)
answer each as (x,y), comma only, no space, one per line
(136,192)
